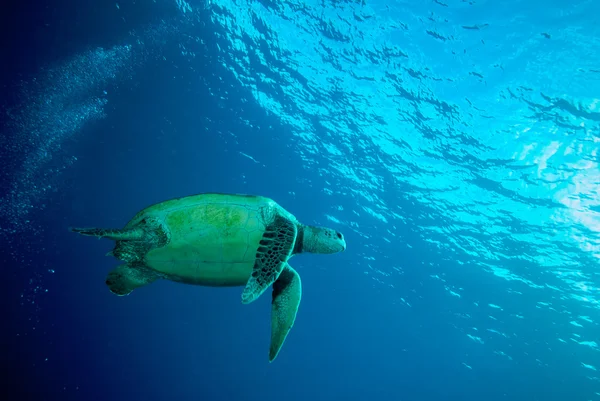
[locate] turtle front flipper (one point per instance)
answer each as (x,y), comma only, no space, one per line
(287,292)
(124,279)
(275,248)
(131,234)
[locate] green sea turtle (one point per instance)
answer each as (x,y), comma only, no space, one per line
(219,240)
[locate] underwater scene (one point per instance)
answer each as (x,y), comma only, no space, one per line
(300,200)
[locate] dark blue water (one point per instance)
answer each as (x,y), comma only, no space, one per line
(453,143)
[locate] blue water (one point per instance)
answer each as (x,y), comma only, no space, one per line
(454,143)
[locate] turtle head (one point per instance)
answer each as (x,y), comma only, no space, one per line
(321,240)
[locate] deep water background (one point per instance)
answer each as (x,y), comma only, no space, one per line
(408,312)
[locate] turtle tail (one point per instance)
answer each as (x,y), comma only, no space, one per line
(131,234)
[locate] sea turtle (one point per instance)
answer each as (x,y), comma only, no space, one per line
(216,239)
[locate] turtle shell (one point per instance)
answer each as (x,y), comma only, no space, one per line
(212,238)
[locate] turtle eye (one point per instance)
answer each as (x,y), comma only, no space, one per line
(339,235)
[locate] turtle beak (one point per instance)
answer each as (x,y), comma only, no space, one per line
(342,241)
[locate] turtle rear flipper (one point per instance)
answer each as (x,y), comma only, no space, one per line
(124,279)
(132,234)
